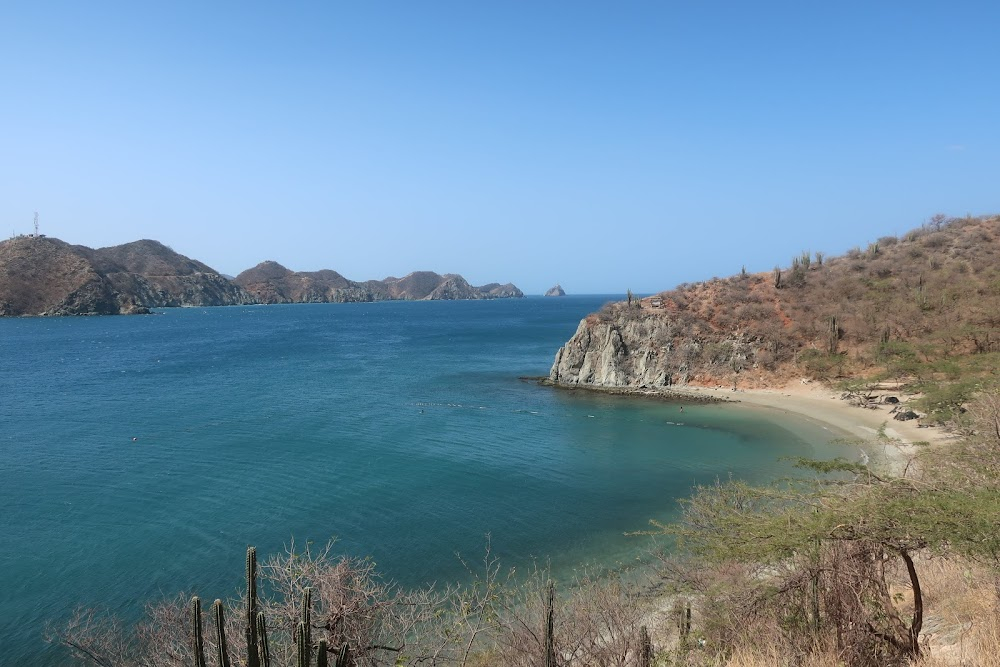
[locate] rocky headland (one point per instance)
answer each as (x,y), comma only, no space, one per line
(898,309)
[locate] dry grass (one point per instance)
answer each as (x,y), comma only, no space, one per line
(963,621)
(961,628)
(773,656)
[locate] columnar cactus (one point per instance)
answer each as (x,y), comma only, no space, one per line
(834,335)
(305,628)
(220,634)
(550,651)
(301,646)
(321,654)
(344,657)
(197,641)
(253,659)
(263,650)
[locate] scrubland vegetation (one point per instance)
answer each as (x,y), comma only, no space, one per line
(922,309)
(846,566)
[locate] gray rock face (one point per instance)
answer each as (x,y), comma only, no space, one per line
(613,354)
(555,291)
(634,349)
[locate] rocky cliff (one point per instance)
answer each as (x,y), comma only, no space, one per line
(45,276)
(271,282)
(627,347)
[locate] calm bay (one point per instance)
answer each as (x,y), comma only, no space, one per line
(139,456)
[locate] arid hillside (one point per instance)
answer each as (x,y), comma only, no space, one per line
(921,307)
(45,276)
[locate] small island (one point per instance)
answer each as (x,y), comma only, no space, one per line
(556,291)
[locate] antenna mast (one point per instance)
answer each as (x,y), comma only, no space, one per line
(36,224)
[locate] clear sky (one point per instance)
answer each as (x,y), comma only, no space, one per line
(601,145)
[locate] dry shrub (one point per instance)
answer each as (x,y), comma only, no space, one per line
(381,623)
(597,621)
(755,653)
(963,626)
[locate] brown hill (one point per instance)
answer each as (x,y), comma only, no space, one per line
(45,276)
(922,307)
(270,282)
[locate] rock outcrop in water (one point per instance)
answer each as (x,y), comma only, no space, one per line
(555,291)
(46,276)
(270,282)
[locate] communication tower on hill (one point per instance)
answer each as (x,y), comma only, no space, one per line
(36,224)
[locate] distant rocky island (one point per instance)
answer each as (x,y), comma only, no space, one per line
(41,276)
(556,291)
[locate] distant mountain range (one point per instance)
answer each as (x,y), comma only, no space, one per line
(270,282)
(46,276)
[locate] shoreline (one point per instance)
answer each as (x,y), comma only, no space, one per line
(902,440)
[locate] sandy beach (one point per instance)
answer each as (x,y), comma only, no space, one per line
(826,406)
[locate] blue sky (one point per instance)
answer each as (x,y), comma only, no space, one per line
(601,145)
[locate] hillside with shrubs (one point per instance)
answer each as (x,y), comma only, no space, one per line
(921,309)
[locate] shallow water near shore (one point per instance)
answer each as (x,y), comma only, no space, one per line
(139,456)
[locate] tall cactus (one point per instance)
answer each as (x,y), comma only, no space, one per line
(833,339)
(263,650)
(197,641)
(301,646)
(550,650)
(221,645)
(344,657)
(253,659)
(321,654)
(305,629)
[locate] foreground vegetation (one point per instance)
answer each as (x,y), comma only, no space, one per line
(834,571)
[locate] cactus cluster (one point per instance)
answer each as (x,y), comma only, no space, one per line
(258,648)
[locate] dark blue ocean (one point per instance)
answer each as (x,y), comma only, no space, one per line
(401,428)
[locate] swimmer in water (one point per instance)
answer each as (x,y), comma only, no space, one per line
(135,439)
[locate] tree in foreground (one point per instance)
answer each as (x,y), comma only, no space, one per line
(834,563)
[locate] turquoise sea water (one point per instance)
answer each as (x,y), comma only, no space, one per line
(402,428)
